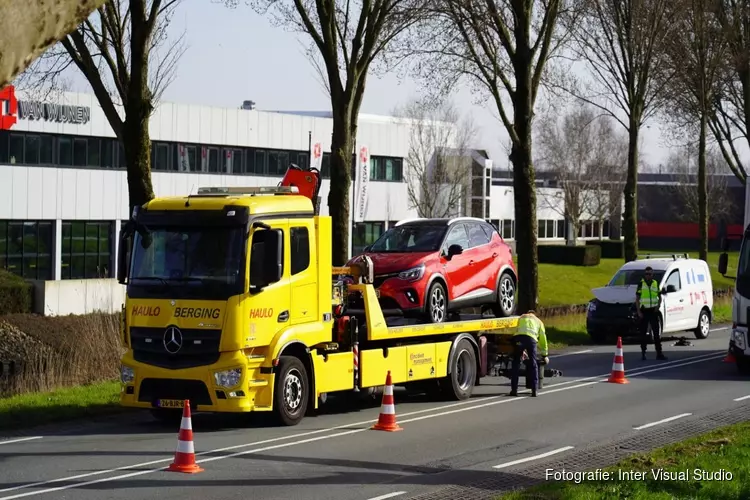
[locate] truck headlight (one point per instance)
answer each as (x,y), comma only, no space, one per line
(228,378)
(413,274)
(127,374)
(592,307)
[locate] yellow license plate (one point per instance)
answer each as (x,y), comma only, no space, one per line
(170,403)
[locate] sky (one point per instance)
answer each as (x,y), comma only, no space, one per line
(235,54)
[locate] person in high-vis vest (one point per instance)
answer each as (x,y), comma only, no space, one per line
(529,335)
(647,302)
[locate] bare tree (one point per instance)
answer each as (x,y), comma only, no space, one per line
(730,120)
(502,48)
(113,50)
(29,28)
(439,162)
(350,37)
(585,155)
(683,164)
(697,55)
(621,43)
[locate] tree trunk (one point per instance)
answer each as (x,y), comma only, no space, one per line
(630,217)
(137,146)
(702,190)
(342,147)
(524,195)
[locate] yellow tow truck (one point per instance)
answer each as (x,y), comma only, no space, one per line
(231,304)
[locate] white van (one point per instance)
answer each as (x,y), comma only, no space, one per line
(687,298)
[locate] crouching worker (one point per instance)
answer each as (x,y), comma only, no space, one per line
(530,334)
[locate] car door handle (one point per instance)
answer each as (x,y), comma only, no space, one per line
(471,262)
(494,255)
(283,317)
(682,300)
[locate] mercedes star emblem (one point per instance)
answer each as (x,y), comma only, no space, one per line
(172,339)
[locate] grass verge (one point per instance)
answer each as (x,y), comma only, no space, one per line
(35,408)
(726,449)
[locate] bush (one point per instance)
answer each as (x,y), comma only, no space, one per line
(611,249)
(16,295)
(589,255)
(59,351)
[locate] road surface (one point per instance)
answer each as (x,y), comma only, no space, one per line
(336,455)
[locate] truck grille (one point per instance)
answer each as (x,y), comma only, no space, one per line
(153,389)
(196,347)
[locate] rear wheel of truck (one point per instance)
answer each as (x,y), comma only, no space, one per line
(459,383)
(291,392)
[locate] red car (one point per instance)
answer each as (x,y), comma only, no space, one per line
(432,267)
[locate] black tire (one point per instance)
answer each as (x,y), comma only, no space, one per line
(505,301)
(704,325)
(291,394)
(459,383)
(167,416)
(436,303)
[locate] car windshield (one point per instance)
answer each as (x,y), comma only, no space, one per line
(626,277)
(410,238)
(202,255)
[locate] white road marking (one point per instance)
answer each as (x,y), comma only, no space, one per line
(720,329)
(591,381)
(8,441)
(742,398)
(388,495)
(570,353)
(531,459)
(663,421)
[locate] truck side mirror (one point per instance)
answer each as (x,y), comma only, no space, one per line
(123,257)
(266,258)
(723,263)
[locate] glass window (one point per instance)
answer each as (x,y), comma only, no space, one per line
(31,150)
(261,163)
(26,248)
(488,230)
(213,160)
(627,277)
(46,150)
(457,236)
(108,153)
(86,250)
(605,229)
(232,161)
(80,155)
(477,237)
(377,171)
(508,229)
(4,137)
(121,161)
(94,152)
(673,279)
(364,234)
(300,243)
(595,229)
(192,159)
(561,229)
(16,148)
(325,166)
(161,157)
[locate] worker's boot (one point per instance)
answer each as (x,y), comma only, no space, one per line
(661,357)
(513,392)
(643,355)
(533,393)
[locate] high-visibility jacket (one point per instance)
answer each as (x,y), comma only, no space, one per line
(648,294)
(530,325)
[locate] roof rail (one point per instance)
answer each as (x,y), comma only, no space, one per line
(673,256)
(408,220)
(252,191)
(459,219)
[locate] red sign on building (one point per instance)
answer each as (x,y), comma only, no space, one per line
(9,111)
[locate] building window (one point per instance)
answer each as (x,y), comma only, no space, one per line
(605,229)
(16,148)
(561,229)
(365,233)
(386,169)
(545,228)
(300,243)
(160,157)
(31,150)
(94,153)
(26,248)
(86,250)
(509,229)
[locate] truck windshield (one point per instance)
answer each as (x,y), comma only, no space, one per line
(417,238)
(743,268)
(190,256)
(627,277)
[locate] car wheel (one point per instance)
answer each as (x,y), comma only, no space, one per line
(459,383)
(436,308)
(506,297)
(704,325)
(291,392)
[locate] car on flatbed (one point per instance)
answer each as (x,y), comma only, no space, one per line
(430,268)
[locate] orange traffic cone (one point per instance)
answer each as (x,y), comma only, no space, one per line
(730,358)
(618,366)
(387,417)
(184,456)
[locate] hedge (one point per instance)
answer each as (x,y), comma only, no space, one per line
(611,249)
(589,255)
(16,295)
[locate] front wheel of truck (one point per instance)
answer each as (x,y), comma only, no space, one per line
(291,391)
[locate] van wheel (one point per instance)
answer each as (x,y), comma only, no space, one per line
(291,391)
(505,303)
(459,383)
(704,325)
(436,303)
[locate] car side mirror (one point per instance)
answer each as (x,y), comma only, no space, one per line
(266,258)
(123,256)
(723,263)
(669,289)
(454,249)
